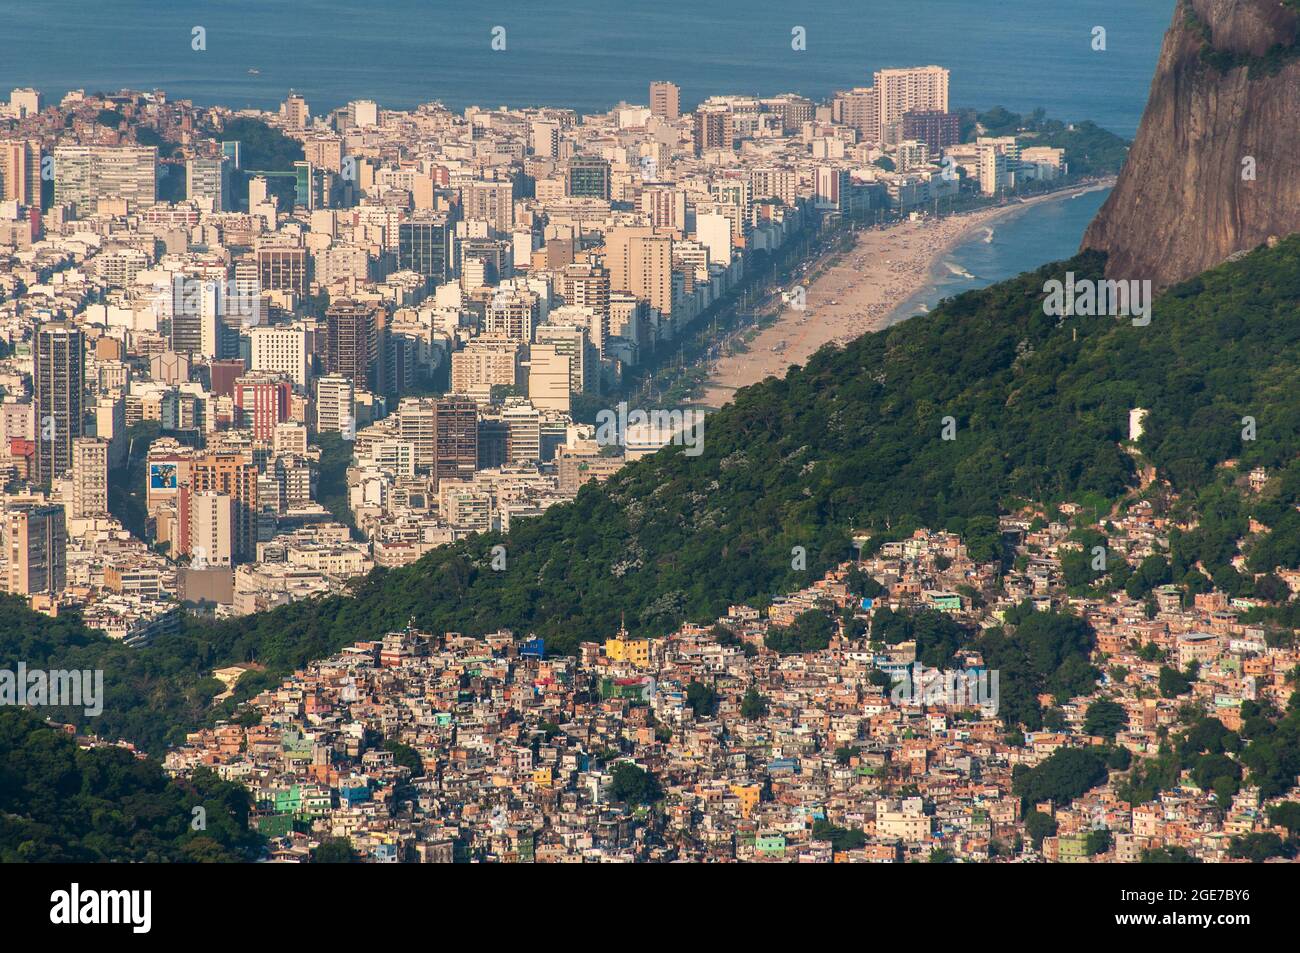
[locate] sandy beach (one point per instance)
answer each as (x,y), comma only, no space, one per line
(862,291)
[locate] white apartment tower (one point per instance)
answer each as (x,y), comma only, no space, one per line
(280,350)
(908,90)
(211,530)
(89,477)
(334,404)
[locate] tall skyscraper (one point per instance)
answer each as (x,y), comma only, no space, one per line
(59,383)
(20,172)
(89,477)
(640,261)
(914,89)
(352,342)
(455,426)
(36,545)
(665,100)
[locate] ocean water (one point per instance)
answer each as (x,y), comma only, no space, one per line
(1048,231)
(591,54)
(586,54)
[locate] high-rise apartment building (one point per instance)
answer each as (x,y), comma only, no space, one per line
(491,202)
(416,426)
(283,268)
(714,129)
(334,397)
(484,363)
(455,438)
(548,378)
(364,112)
(859,108)
(772,183)
(261,403)
(234,475)
(36,544)
(914,89)
(211,529)
(198,304)
(207,182)
(295,112)
(426,245)
(545,138)
(323,152)
(58,380)
(911,154)
(665,100)
(89,477)
(641,262)
(280,350)
(525,424)
(573,342)
(665,206)
(586,286)
(512,315)
(25,102)
(352,342)
(938,130)
(85,174)
(995,173)
(20,172)
(588,177)
(793,109)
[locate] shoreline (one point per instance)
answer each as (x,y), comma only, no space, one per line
(868,288)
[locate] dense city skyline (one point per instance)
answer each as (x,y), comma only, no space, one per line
(700,477)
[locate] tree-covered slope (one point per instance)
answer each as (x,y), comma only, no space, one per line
(62,804)
(852,441)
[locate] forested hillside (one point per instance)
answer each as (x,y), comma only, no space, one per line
(851,442)
(62,804)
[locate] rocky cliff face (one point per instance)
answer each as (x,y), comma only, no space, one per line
(1224,104)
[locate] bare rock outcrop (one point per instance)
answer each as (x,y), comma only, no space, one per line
(1215,166)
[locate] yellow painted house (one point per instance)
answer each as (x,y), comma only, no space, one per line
(633,651)
(748,794)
